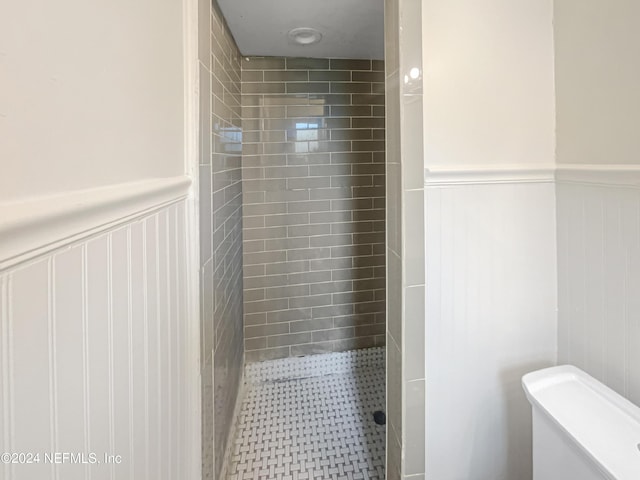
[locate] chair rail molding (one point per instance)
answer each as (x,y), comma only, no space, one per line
(33,227)
(442,175)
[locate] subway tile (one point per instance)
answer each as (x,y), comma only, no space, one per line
(369,307)
(255,343)
(266,305)
(286,243)
(311,325)
(264,209)
(265,281)
(252,76)
(307,253)
(254,294)
(352,204)
(311,349)
(351,251)
(264,233)
(330,241)
(351,157)
(351,111)
(350,87)
(343,64)
(352,297)
(319,288)
(264,257)
(289,339)
(308,87)
(263,63)
(414,430)
(309,159)
(263,88)
(331,311)
(351,134)
(305,139)
(332,334)
(286,76)
(352,273)
(370,330)
(376,76)
(266,354)
(275,268)
(313,278)
(286,219)
(329,263)
(307,63)
(330,194)
(285,99)
(368,122)
(329,99)
(308,182)
(309,206)
(287,291)
(355,321)
(329,169)
(287,195)
(353,344)
(337,122)
(287,171)
(310,111)
(308,230)
(265,330)
(330,75)
(290,315)
(377,65)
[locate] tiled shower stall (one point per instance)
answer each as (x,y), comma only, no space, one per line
(292,219)
(313,205)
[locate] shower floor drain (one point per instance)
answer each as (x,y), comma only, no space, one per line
(379,417)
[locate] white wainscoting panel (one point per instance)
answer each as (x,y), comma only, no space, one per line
(94,354)
(599,279)
(490,318)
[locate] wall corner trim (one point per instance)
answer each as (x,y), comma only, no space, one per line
(34,226)
(488,174)
(614,175)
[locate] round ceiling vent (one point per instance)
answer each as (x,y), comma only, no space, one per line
(305,36)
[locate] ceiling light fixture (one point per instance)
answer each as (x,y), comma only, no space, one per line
(305,36)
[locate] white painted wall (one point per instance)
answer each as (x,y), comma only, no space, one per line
(490,230)
(99,327)
(598,190)
(597,75)
(91,94)
(489,70)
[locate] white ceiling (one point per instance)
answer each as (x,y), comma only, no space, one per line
(350,28)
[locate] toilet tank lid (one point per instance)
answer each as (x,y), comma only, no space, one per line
(603,424)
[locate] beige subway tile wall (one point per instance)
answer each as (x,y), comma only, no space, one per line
(220,236)
(313,176)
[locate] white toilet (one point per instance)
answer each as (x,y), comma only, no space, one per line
(582,430)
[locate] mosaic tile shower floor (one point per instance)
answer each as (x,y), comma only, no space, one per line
(312,418)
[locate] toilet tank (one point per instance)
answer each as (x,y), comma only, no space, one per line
(582,430)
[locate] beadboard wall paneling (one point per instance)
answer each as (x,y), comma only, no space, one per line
(313,205)
(599,281)
(95,355)
(490,318)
